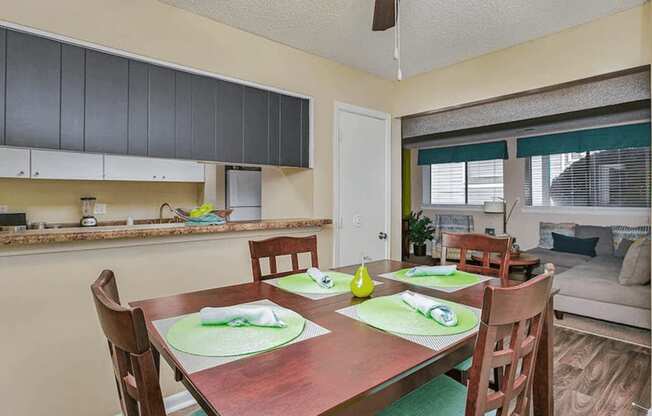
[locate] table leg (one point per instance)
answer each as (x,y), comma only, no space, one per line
(543,400)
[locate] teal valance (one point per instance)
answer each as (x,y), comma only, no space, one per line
(463,153)
(615,137)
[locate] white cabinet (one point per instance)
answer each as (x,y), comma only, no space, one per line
(129,168)
(14,162)
(48,164)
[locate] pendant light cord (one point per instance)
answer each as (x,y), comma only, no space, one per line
(397,40)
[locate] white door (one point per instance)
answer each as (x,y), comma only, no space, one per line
(52,164)
(14,162)
(362,175)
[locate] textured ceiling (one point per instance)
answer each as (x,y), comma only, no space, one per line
(434,33)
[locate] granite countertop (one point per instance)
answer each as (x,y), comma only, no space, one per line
(113,232)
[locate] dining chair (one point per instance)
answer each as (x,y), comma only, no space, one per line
(281,246)
(135,365)
(480,243)
(516,313)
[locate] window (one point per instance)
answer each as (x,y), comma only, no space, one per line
(465,183)
(602,178)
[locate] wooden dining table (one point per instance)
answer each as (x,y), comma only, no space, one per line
(353,370)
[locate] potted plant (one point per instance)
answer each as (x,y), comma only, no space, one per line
(420,230)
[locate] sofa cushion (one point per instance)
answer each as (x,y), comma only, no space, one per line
(631,233)
(558,258)
(605,246)
(547,228)
(597,280)
(566,244)
(623,247)
(636,264)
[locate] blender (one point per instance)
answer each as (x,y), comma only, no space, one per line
(88,211)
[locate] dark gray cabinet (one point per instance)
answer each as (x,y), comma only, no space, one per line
(230,130)
(32,91)
(183,115)
(290,131)
(161,129)
(3,66)
(204,113)
(107,103)
(138,108)
(59,96)
(72,98)
(256,126)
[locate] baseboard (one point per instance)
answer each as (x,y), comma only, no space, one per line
(176,402)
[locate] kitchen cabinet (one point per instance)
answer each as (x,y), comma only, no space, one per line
(107,103)
(183,115)
(161,127)
(14,162)
(290,131)
(52,164)
(256,126)
(32,91)
(138,97)
(128,168)
(58,96)
(72,98)
(230,110)
(204,114)
(3,66)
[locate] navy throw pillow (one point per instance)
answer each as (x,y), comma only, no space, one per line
(566,244)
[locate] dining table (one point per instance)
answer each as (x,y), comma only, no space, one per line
(354,369)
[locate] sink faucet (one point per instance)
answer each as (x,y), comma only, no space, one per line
(160,210)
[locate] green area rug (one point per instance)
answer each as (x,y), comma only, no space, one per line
(190,336)
(457,279)
(391,314)
(302,283)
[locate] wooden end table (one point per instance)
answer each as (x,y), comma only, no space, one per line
(524,261)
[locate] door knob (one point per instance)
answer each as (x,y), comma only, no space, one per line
(382,236)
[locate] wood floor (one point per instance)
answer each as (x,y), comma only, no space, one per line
(594,376)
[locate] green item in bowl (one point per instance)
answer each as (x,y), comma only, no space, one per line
(302,283)
(190,336)
(391,314)
(457,279)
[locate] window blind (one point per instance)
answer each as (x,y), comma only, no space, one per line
(466,183)
(599,178)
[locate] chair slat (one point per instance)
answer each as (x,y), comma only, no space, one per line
(281,246)
(485,244)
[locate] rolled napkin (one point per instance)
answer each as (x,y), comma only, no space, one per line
(432,271)
(430,308)
(241,315)
(321,278)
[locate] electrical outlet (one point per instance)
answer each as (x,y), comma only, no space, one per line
(100,209)
(4,209)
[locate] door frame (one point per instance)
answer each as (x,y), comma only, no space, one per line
(337,177)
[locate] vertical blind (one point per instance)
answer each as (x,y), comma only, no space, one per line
(466,183)
(598,178)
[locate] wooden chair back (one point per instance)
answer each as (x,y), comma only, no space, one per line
(281,246)
(484,244)
(516,313)
(134,365)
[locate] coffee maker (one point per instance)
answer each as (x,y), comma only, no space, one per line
(88,212)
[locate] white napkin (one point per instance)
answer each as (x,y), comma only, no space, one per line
(432,270)
(241,315)
(430,308)
(321,278)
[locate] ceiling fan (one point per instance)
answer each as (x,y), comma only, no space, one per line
(387,15)
(384,15)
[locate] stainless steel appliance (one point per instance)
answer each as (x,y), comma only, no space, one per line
(243,194)
(13,222)
(88,211)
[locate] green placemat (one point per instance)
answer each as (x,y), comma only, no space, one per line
(302,283)
(459,278)
(391,314)
(190,336)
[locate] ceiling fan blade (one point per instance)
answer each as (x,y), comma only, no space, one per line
(384,15)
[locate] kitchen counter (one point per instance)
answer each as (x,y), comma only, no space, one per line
(141,231)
